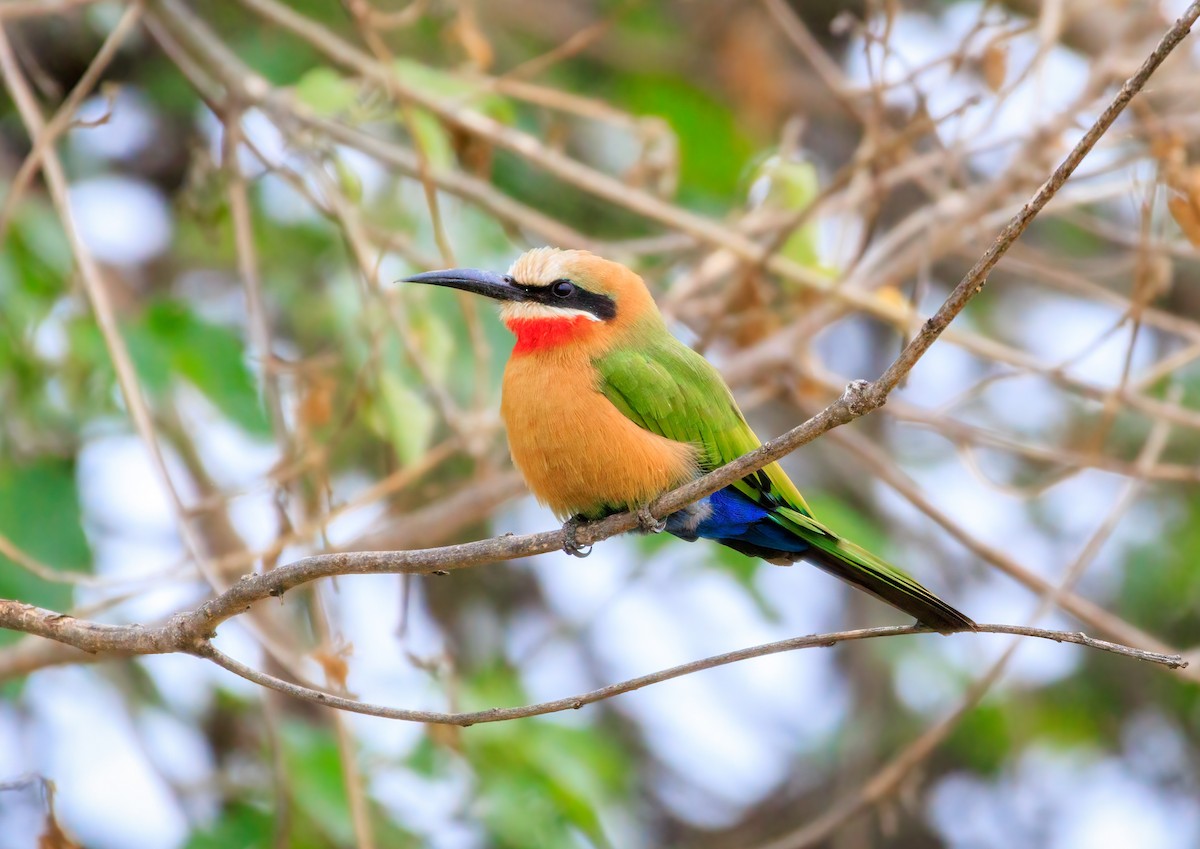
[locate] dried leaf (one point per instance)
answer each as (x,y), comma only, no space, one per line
(474,152)
(1169,149)
(1184,203)
(316,407)
(893,297)
(1187,215)
(335,665)
(53,837)
(445,736)
(1154,279)
(470,36)
(994,65)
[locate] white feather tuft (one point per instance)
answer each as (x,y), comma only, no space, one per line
(518,310)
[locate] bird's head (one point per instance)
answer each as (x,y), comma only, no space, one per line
(551,297)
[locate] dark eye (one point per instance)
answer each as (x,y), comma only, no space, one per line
(562,288)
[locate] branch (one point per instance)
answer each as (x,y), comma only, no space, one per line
(179,636)
(592,696)
(13,10)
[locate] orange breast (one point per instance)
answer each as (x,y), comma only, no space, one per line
(577,452)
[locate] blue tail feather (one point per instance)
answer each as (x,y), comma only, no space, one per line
(730,517)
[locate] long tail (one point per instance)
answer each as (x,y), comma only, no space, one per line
(863,569)
(782,533)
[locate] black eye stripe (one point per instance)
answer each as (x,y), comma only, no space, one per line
(556,294)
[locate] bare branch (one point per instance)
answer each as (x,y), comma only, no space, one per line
(592,696)
(181,635)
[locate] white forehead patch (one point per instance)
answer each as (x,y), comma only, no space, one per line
(524,311)
(542,266)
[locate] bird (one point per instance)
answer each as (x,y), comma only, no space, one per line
(605,410)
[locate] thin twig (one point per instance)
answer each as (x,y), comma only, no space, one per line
(61,120)
(592,696)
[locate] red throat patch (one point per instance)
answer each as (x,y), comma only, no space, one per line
(537,334)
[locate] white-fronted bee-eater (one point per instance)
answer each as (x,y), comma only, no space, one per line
(606,410)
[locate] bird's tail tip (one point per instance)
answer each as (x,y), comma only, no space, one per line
(858,566)
(946,620)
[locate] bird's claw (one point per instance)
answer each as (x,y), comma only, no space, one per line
(570,545)
(648,523)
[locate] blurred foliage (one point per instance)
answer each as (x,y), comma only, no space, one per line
(170,342)
(39,514)
(353,361)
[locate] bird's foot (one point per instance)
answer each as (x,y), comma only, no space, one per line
(570,545)
(648,523)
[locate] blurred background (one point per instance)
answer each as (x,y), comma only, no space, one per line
(206,369)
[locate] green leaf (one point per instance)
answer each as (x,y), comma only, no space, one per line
(315,775)
(40,514)
(326,92)
(150,354)
(348,180)
(37,231)
(34,265)
(316,781)
(171,338)
(542,784)
(982,739)
(849,522)
(433,138)
(792,186)
(435,339)
(713,150)
(449,86)
(240,826)
(405,417)
(1162,584)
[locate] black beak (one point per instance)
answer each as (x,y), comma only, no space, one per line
(487,283)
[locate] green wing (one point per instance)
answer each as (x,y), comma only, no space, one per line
(669,389)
